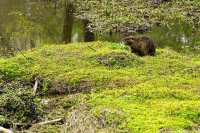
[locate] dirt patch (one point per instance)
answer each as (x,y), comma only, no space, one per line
(166,130)
(194,129)
(59,87)
(81,120)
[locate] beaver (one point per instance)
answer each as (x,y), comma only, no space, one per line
(88,34)
(140,45)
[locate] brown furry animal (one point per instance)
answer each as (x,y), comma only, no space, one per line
(141,45)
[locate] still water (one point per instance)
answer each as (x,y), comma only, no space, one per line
(14,36)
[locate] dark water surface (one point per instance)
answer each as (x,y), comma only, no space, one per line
(179,36)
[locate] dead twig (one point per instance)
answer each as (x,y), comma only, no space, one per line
(35,86)
(59,120)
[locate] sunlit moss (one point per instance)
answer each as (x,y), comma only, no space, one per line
(132,94)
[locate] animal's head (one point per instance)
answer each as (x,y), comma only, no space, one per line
(129,40)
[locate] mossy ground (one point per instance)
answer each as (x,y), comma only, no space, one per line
(123,92)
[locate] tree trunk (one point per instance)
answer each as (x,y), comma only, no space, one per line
(68,22)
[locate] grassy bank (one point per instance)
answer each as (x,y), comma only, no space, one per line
(102,87)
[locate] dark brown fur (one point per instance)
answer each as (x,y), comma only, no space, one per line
(141,45)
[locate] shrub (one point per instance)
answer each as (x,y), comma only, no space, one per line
(18,106)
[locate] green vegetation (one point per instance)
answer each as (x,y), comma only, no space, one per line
(108,15)
(102,87)
(18,106)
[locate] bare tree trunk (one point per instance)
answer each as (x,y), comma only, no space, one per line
(68,21)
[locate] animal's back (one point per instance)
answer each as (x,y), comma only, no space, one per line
(150,45)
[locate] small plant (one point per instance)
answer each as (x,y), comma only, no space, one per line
(118,60)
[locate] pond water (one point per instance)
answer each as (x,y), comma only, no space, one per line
(162,36)
(179,36)
(8,46)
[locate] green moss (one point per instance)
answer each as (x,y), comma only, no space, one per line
(118,60)
(127,92)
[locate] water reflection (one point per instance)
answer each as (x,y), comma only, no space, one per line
(9,43)
(180,36)
(162,38)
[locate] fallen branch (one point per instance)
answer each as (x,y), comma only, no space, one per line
(61,120)
(35,86)
(4,130)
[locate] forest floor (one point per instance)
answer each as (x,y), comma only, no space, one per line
(101,87)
